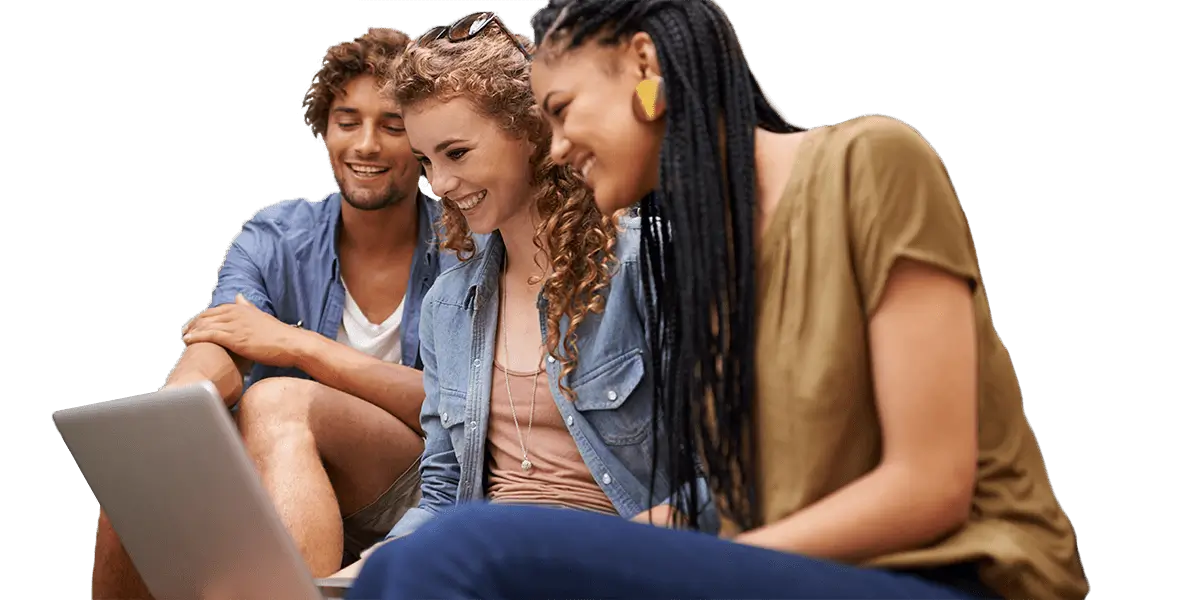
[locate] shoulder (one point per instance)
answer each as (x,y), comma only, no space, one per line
(875,127)
(876,141)
(871,164)
(448,259)
(292,216)
(452,285)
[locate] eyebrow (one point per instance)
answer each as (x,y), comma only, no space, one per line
(445,144)
(354,111)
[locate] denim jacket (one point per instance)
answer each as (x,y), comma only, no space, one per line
(610,420)
(285,262)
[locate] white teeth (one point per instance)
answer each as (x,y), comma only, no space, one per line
(468,202)
(587,166)
(367,170)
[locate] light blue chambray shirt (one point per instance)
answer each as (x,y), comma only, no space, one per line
(285,262)
(610,420)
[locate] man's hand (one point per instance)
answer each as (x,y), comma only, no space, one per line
(246,331)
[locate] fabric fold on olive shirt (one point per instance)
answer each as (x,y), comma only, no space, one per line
(864,194)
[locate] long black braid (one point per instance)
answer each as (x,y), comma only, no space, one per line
(701,291)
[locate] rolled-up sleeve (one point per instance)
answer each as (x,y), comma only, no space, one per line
(243,270)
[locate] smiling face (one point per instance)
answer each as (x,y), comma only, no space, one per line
(478,170)
(368,147)
(586,94)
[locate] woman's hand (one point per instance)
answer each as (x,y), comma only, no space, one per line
(659,515)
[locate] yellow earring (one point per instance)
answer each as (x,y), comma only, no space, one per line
(648,101)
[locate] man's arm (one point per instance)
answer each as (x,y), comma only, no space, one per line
(240,274)
(213,363)
(241,318)
(393,387)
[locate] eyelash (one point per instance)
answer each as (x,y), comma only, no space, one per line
(424,160)
(394,130)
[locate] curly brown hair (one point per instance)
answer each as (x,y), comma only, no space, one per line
(370,54)
(574,237)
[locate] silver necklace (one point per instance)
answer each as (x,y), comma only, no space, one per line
(526,464)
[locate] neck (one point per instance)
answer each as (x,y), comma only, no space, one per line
(379,232)
(519,247)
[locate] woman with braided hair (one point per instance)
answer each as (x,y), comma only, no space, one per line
(821,337)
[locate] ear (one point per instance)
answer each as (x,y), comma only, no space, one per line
(646,54)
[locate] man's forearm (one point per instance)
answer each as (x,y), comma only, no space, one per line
(204,361)
(393,387)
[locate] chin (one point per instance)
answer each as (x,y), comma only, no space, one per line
(481,226)
(610,201)
(371,200)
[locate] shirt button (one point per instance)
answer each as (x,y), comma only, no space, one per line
(570,420)
(606,479)
(549,358)
(474,425)
(477,362)
(612,395)
(445,418)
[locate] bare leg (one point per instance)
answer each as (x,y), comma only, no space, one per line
(113,574)
(322,454)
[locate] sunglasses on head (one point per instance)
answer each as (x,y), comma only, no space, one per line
(468,27)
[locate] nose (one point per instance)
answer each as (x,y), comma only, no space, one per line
(367,143)
(560,148)
(442,183)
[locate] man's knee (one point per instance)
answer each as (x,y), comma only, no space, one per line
(276,398)
(278,405)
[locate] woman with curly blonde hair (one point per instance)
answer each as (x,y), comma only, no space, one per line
(535,351)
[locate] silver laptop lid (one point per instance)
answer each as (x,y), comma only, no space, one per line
(170,471)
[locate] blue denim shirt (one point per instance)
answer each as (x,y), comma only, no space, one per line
(285,261)
(610,419)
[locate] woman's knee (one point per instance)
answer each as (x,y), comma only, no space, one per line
(466,552)
(422,564)
(478,534)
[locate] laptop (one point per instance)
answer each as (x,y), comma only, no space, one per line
(170,471)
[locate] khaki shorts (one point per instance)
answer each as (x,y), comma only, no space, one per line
(372,522)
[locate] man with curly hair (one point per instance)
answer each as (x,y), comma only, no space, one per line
(312,332)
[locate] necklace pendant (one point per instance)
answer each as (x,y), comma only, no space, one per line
(526,465)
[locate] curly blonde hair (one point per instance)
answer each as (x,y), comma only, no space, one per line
(370,54)
(578,244)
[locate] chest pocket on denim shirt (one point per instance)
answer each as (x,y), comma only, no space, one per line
(452,413)
(603,398)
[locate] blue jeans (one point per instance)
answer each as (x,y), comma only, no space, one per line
(496,551)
